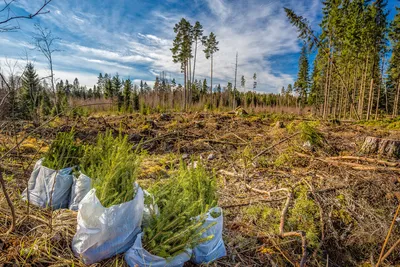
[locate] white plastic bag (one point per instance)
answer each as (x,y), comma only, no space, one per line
(47,185)
(80,187)
(137,256)
(104,232)
(215,248)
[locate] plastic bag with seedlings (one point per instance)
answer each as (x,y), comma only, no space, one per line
(104,232)
(48,187)
(137,255)
(214,248)
(169,237)
(80,187)
(51,179)
(112,165)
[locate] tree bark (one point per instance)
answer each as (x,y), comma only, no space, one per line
(396,99)
(380,146)
(185,86)
(324,111)
(194,60)
(211,87)
(377,102)
(370,98)
(362,90)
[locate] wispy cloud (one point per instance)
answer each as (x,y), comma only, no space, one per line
(134,38)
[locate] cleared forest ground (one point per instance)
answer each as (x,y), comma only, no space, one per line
(282,179)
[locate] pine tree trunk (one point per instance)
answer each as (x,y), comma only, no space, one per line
(328,93)
(370,98)
(185,86)
(377,103)
(354,91)
(396,99)
(342,96)
(190,82)
(194,60)
(211,88)
(335,104)
(362,92)
(324,112)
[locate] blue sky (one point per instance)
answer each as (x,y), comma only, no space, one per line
(133,38)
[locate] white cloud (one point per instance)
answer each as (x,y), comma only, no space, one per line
(106,54)
(100,40)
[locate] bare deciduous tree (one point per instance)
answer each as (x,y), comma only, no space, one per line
(7,15)
(45,42)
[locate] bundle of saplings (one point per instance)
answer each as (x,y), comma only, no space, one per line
(183,201)
(112,165)
(51,180)
(110,215)
(64,152)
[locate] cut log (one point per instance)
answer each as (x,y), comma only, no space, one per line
(380,146)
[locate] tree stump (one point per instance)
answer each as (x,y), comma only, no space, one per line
(380,146)
(240,111)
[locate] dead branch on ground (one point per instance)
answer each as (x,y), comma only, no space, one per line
(355,166)
(284,212)
(387,238)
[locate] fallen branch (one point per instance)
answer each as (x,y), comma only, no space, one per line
(354,166)
(274,145)
(282,232)
(221,142)
(252,202)
(370,160)
(387,237)
(161,137)
(397,243)
(266,192)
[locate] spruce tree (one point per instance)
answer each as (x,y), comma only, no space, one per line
(116,85)
(127,94)
(302,83)
(100,82)
(30,93)
(108,89)
(254,81)
(135,98)
(204,88)
(75,88)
